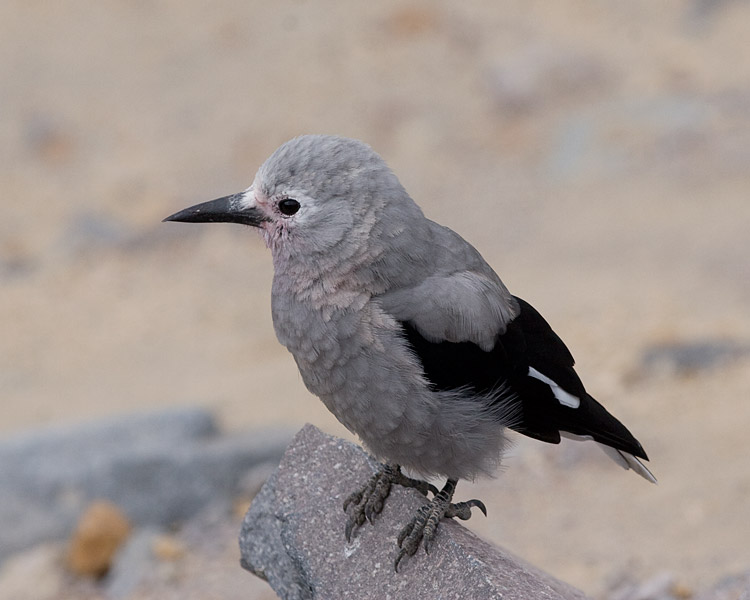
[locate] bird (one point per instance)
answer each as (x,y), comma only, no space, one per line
(405,332)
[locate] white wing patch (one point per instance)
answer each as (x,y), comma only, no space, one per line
(563,397)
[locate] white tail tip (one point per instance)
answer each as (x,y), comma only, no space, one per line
(622,458)
(628,461)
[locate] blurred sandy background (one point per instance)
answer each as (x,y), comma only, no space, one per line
(596,153)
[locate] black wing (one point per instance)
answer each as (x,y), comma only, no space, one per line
(528,342)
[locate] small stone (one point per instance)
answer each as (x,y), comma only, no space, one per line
(100,532)
(682,591)
(167,548)
(49,141)
(409,21)
(685,358)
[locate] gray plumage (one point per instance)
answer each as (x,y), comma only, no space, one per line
(404,332)
(358,258)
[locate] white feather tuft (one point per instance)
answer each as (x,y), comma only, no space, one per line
(634,463)
(622,458)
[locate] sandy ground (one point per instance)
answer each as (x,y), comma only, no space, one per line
(597,154)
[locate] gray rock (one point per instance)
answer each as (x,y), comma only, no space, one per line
(158,468)
(685,358)
(293,536)
(91,232)
(732,587)
(133,561)
(665,586)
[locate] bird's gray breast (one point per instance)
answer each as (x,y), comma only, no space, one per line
(354,356)
(351,354)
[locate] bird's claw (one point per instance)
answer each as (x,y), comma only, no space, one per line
(353,498)
(366,504)
(462,510)
(351,525)
(424,525)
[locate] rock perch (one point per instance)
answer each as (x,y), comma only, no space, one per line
(293,536)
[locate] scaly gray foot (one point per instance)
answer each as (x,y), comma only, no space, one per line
(368,502)
(423,527)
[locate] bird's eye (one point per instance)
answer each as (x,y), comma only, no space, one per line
(288,206)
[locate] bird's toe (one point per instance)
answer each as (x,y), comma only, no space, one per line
(462,510)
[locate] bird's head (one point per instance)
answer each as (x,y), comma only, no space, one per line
(317,195)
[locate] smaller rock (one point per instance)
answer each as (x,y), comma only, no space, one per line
(100,532)
(49,141)
(134,563)
(679,359)
(167,548)
(731,587)
(88,233)
(410,21)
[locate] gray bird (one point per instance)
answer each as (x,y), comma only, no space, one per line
(404,331)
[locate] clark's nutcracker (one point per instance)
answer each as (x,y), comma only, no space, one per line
(404,332)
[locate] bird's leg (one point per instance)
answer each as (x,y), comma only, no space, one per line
(368,502)
(423,527)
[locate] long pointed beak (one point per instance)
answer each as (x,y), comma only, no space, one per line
(229,209)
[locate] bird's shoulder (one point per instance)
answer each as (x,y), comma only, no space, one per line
(456,306)
(455,295)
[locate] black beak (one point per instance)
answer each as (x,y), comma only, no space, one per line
(228,209)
